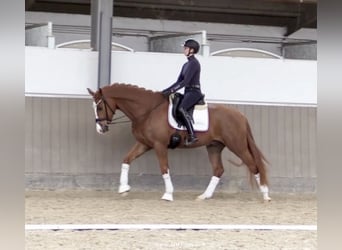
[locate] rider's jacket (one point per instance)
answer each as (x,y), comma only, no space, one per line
(189,76)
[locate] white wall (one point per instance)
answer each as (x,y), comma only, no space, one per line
(224,79)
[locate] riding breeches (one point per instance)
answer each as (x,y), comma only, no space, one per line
(190,99)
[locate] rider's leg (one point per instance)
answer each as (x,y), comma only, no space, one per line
(191,138)
(189,100)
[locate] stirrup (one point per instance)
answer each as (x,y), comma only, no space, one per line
(190,140)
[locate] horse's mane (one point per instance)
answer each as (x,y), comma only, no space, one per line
(120,87)
(135,94)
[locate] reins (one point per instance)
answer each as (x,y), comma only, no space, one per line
(118,122)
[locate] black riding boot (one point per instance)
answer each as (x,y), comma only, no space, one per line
(191,138)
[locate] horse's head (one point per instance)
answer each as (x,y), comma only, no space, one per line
(104,109)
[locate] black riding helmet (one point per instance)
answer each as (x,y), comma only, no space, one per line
(191,43)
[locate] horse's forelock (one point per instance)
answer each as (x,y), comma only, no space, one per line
(97,96)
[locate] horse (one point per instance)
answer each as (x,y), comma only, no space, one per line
(147,111)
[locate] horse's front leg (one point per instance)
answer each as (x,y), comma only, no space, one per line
(162,155)
(137,150)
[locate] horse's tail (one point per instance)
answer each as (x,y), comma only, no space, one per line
(258,156)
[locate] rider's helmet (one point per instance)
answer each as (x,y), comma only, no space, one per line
(191,43)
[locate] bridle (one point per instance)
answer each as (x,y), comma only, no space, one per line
(106,107)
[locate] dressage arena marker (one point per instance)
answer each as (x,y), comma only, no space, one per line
(167,227)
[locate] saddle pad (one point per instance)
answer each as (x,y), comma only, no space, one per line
(200,115)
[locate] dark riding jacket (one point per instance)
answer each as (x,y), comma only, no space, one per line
(189,76)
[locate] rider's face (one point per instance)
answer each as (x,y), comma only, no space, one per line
(186,51)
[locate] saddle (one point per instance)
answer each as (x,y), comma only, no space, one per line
(199,113)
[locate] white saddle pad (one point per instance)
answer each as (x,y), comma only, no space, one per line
(200,115)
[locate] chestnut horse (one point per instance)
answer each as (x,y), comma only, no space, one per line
(147,110)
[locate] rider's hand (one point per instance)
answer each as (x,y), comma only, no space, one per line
(166,93)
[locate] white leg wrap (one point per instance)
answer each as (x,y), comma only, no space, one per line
(124,187)
(208,193)
(263,188)
(168,195)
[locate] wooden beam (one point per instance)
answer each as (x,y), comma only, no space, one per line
(283,13)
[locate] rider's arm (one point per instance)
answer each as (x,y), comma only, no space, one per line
(183,79)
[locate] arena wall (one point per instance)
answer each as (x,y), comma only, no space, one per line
(63,150)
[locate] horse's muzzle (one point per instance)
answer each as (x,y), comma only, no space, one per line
(101,128)
(105,128)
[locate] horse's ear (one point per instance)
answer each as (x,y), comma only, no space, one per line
(91,92)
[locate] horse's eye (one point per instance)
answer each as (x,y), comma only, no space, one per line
(99,108)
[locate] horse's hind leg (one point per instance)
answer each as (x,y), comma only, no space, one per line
(248,159)
(214,153)
(137,150)
(263,188)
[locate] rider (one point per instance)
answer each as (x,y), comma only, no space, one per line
(189,78)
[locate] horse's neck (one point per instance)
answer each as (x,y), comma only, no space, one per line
(131,109)
(134,103)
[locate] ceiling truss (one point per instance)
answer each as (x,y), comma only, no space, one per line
(292,14)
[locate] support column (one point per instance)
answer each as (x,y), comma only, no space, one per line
(101,37)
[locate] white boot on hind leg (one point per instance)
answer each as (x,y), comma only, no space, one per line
(265,193)
(263,188)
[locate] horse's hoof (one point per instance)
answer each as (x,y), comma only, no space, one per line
(267,199)
(167,197)
(202,197)
(124,189)
(124,194)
